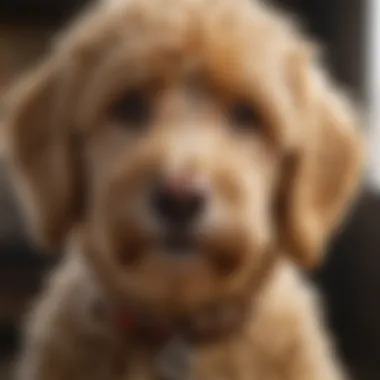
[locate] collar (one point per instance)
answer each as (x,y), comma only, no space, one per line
(174,338)
(207,325)
(173,341)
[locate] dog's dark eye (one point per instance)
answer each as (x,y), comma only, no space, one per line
(243,114)
(133,109)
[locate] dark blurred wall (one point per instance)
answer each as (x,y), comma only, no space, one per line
(339,25)
(350,278)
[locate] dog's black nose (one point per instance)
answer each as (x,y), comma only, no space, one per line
(179,201)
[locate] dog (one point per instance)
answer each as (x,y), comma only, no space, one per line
(192,159)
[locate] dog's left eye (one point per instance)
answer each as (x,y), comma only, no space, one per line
(133,108)
(243,114)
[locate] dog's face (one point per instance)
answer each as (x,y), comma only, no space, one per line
(189,144)
(181,179)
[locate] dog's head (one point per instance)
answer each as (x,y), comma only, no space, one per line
(189,139)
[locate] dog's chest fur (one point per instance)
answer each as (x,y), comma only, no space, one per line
(228,361)
(78,345)
(237,359)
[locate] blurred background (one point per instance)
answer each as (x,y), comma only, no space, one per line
(350,279)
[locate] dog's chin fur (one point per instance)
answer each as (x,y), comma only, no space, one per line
(181,285)
(239,101)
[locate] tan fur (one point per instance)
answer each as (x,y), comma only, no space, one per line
(85,178)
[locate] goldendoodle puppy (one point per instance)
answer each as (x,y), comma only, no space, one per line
(191,157)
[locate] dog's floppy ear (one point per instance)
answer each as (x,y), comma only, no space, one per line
(323,171)
(40,151)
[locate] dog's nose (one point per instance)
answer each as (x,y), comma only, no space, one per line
(179,201)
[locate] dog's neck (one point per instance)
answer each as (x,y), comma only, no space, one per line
(174,338)
(206,325)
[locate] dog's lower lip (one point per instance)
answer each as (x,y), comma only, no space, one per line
(178,243)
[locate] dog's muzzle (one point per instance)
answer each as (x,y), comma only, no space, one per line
(179,202)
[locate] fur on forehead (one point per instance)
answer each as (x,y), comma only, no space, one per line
(239,24)
(224,37)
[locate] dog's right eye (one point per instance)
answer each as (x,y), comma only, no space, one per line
(243,115)
(132,109)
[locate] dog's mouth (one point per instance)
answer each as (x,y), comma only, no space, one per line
(222,252)
(175,244)
(179,243)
